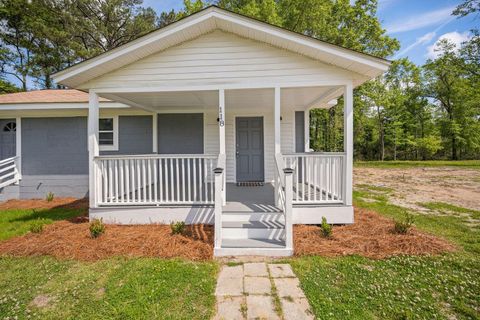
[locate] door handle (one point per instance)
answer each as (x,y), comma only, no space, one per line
(237,153)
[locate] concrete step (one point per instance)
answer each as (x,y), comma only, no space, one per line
(254,247)
(271,217)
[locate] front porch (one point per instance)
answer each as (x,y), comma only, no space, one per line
(295,187)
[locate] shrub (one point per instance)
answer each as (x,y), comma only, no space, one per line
(402,226)
(50,197)
(178,227)
(326,228)
(36,226)
(97,228)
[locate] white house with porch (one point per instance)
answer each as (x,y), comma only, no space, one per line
(226,103)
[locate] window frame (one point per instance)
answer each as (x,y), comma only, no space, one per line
(114,146)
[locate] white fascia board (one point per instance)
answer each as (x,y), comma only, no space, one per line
(58,106)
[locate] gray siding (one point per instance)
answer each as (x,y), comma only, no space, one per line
(180,133)
(55,153)
(135,135)
(299,131)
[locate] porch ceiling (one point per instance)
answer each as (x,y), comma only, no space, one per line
(243,99)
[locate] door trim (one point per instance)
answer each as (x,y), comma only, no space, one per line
(236,117)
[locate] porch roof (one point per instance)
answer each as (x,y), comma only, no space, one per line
(213,18)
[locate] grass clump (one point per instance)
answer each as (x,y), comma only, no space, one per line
(50,196)
(36,226)
(401,226)
(97,228)
(326,229)
(178,227)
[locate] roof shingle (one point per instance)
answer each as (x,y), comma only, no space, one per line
(46,96)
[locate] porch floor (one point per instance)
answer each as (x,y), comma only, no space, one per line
(250,199)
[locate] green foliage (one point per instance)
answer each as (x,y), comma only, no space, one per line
(97,228)
(178,227)
(50,196)
(326,228)
(36,226)
(401,226)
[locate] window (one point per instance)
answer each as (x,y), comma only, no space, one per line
(108,134)
(10,127)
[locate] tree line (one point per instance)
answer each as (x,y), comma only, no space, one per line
(412,112)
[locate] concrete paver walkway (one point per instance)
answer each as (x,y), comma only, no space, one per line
(260,291)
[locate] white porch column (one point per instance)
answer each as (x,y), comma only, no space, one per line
(18,145)
(221,135)
(306,125)
(348,141)
(93,147)
(276,116)
(276,121)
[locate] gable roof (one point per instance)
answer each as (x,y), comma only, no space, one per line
(46,96)
(212,18)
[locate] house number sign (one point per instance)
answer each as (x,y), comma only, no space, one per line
(221,122)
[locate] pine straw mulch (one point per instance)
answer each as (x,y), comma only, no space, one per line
(370,236)
(71,240)
(67,203)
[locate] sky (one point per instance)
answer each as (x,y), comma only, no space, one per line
(417,24)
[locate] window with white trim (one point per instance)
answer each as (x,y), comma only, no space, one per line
(108,133)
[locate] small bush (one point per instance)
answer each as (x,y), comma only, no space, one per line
(36,226)
(178,227)
(326,228)
(50,197)
(97,228)
(402,226)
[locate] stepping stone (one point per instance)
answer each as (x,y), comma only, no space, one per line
(258,285)
(288,287)
(229,308)
(261,307)
(297,309)
(281,270)
(255,270)
(229,286)
(231,272)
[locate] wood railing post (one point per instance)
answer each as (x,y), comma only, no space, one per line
(288,207)
(218,206)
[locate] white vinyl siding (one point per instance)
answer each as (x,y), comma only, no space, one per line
(219,58)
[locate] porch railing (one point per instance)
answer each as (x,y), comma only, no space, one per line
(155,179)
(9,172)
(318,177)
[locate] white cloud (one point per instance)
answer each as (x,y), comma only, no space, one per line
(421,20)
(426,38)
(454,37)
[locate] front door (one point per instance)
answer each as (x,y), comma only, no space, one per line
(249,149)
(7,139)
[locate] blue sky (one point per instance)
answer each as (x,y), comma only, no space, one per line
(417,24)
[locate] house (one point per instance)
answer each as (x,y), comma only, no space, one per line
(205,121)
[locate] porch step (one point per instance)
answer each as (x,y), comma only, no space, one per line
(271,217)
(253,243)
(253,224)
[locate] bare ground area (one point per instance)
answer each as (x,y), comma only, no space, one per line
(412,187)
(370,236)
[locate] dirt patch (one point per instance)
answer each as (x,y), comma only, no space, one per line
(71,240)
(41,301)
(67,203)
(411,186)
(370,236)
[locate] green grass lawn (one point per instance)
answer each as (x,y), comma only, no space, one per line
(470,164)
(17,222)
(441,287)
(108,289)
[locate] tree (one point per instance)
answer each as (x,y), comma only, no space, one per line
(467,7)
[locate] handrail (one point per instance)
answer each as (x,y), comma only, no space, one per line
(2,162)
(154,156)
(219,199)
(9,171)
(283,196)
